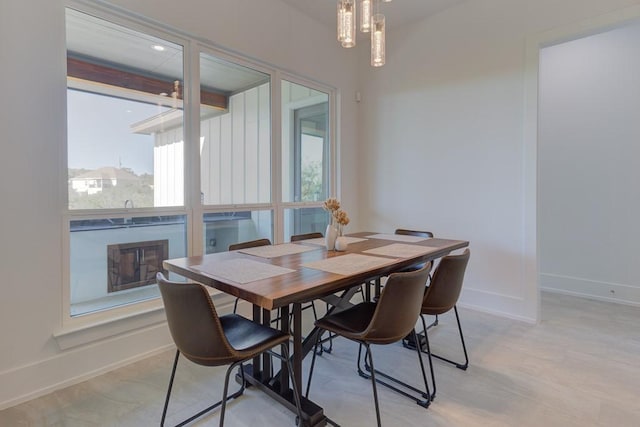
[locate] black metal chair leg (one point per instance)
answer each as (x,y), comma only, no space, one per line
(215,405)
(428,394)
(462,366)
(429,354)
(296,395)
(226,389)
(330,348)
(373,384)
(313,362)
(424,403)
(166,401)
(464,347)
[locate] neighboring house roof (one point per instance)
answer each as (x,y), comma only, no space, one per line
(109,173)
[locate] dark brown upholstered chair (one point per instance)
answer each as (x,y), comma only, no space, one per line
(385,322)
(245,245)
(297,238)
(206,339)
(249,244)
(440,297)
(311,305)
(307,236)
(416,233)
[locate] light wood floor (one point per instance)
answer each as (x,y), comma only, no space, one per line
(579,367)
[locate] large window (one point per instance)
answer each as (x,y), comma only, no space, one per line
(154,174)
(306,142)
(125,156)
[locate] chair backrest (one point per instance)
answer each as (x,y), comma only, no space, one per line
(298,237)
(398,307)
(250,244)
(194,323)
(444,290)
(417,233)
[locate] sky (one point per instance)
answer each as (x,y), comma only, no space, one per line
(99,133)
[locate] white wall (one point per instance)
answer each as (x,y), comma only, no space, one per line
(32,54)
(442,126)
(441,148)
(589,155)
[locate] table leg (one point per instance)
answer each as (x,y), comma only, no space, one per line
(284,327)
(266,358)
(256,360)
(298,355)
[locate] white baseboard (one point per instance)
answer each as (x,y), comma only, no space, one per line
(80,364)
(87,359)
(501,305)
(601,291)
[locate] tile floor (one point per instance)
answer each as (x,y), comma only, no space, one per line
(579,367)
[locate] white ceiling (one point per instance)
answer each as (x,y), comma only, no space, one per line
(396,12)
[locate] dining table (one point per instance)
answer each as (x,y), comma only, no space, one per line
(285,276)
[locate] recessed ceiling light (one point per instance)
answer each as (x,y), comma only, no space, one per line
(158,47)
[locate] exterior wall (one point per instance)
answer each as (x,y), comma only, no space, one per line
(168,168)
(236,150)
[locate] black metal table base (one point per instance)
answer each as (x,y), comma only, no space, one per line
(312,414)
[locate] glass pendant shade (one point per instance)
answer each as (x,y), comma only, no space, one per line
(377,40)
(349,24)
(365,16)
(340,20)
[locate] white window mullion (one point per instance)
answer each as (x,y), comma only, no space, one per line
(193,187)
(276,157)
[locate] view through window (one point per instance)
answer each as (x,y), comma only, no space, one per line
(129,159)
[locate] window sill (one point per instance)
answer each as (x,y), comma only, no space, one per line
(75,336)
(121,323)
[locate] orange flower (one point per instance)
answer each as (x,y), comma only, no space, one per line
(331,205)
(341,217)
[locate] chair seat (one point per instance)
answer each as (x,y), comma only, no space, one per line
(349,323)
(413,267)
(245,335)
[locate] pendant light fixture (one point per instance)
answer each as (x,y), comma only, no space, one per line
(346,23)
(340,20)
(365,16)
(370,22)
(377,40)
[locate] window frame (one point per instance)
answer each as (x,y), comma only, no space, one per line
(193,209)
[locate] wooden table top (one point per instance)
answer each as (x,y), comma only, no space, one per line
(304,284)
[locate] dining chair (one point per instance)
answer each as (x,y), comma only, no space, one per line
(377,283)
(440,297)
(306,236)
(298,238)
(408,342)
(246,245)
(415,233)
(385,322)
(311,305)
(207,339)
